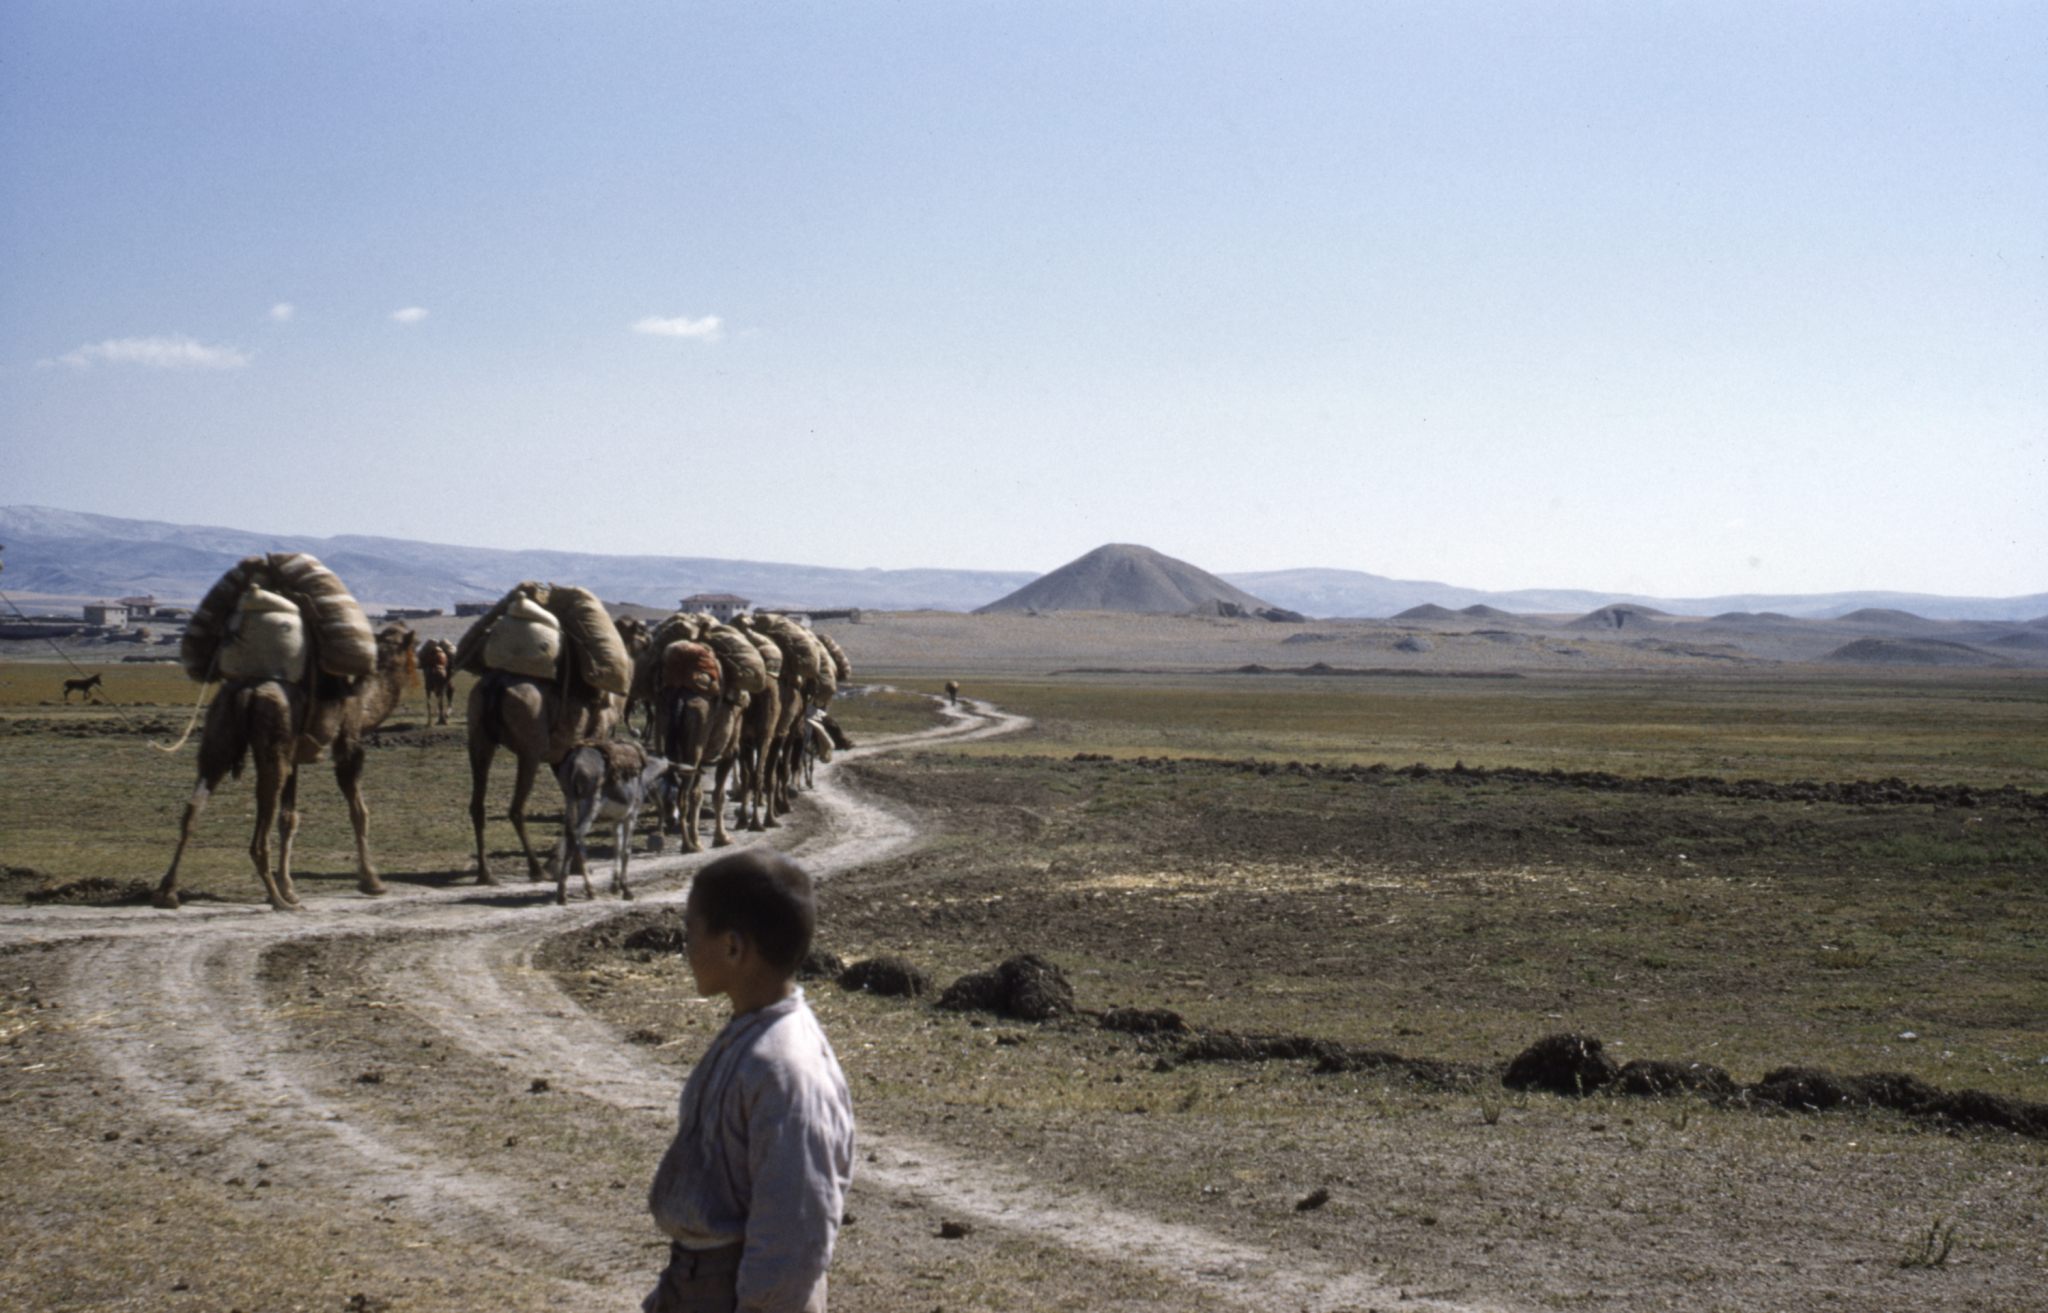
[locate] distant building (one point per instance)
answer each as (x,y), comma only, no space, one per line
(412,613)
(722,606)
(106,613)
(143,605)
(474,608)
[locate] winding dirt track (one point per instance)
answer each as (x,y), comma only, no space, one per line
(174,1012)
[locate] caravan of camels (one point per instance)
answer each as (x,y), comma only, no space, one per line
(302,676)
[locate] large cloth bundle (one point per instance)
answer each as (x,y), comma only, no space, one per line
(745,671)
(771,654)
(799,654)
(266,639)
(597,655)
(526,640)
(338,636)
(595,648)
(689,667)
(842,669)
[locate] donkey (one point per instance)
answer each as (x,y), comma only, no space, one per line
(85,686)
(607,782)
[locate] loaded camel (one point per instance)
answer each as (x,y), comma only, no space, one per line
(700,727)
(536,721)
(284,725)
(437,671)
(952,692)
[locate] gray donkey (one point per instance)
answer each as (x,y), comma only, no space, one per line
(603,782)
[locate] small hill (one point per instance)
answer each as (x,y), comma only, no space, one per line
(2025,640)
(1127,577)
(1910,652)
(1884,616)
(1622,615)
(1481,611)
(1428,611)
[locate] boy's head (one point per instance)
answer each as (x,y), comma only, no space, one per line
(761,898)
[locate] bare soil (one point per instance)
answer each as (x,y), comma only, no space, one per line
(453,1097)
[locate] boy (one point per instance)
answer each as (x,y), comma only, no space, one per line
(751,1191)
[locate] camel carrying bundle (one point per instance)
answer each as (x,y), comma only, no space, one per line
(337,635)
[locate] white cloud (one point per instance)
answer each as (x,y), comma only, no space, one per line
(708,329)
(282,312)
(153,353)
(412,314)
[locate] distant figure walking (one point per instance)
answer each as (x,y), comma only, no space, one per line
(85,686)
(952,692)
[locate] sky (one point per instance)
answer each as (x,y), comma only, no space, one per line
(1676,299)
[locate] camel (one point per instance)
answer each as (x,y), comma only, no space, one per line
(535,720)
(83,686)
(701,730)
(638,638)
(952,692)
(284,726)
(437,669)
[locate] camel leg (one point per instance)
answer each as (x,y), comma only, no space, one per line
(693,812)
(348,773)
(625,858)
(287,830)
(167,890)
(719,838)
(522,788)
(480,755)
(271,773)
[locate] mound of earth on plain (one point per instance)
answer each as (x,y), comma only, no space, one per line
(1127,577)
(1428,611)
(1481,611)
(1910,652)
(1621,615)
(1886,616)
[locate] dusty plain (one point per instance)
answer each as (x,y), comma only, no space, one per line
(454,1096)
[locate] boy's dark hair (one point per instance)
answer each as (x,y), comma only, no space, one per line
(763,896)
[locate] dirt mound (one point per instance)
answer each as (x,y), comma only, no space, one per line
(891,977)
(821,964)
(1653,1077)
(97,891)
(1481,611)
(1427,611)
(1126,577)
(1026,987)
(1414,643)
(1910,652)
(1561,1064)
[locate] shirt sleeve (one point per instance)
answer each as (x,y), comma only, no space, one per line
(799,1150)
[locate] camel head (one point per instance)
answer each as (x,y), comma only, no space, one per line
(395,653)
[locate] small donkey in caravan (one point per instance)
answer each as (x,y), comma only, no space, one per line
(607,782)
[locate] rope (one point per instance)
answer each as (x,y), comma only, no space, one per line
(107,701)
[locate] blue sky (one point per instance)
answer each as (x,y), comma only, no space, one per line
(1680,299)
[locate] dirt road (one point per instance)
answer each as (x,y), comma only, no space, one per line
(169,1030)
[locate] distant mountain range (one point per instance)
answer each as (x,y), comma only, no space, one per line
(75,554)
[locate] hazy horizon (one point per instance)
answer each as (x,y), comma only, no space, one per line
(1657,300)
